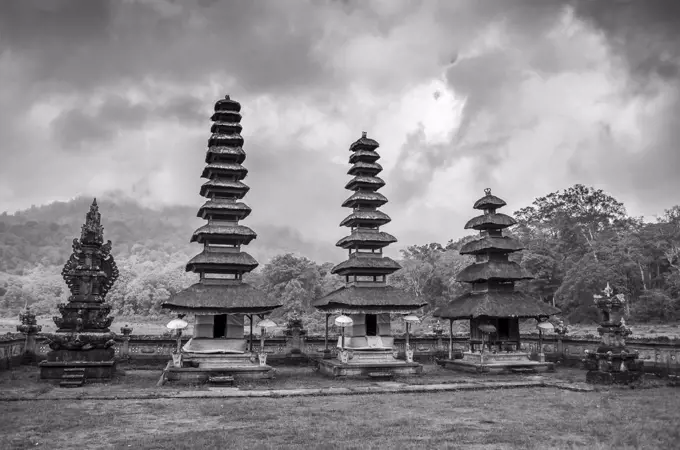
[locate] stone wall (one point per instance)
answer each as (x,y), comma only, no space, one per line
(11,350)
(155,351)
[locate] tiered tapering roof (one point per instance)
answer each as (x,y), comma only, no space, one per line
(493,276)
(221,264)
(366,269)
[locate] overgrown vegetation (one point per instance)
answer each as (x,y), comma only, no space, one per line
(575,240)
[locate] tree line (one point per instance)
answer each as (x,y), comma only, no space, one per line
(575,241)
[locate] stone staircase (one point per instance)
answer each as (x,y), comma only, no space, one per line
(72,377)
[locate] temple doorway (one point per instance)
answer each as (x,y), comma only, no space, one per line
(371,325)
(220,325)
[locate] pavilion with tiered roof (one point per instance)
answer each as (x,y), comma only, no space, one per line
(493,306)
(220,300)
(366,297)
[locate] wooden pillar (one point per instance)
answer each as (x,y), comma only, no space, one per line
(325,342)
(251,333)
(450,338)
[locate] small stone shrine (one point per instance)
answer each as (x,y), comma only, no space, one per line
(493,307)
(367,346)
(29,327)
(612,362)
(82,347)
(221,301)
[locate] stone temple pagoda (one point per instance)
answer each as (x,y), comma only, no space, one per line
(221,300)
(367,345)
(493,306)
(82,347)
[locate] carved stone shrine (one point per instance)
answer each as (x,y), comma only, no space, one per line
(82,347)
(612,362)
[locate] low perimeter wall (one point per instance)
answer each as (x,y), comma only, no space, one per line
(155,351)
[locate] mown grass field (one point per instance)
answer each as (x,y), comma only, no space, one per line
(507,419)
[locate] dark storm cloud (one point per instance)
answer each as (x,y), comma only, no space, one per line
(78,126)
(82,44)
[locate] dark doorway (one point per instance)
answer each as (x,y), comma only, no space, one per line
(371,325)
(220,325)
(503,328)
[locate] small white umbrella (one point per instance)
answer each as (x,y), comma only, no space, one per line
(409,319)
(179,325)
(543,327)
(264,324)
(342,322)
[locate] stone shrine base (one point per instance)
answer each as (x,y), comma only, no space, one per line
(199,368)
(497,363)
(597,377)
(365,363)
(94,370)
(97,364)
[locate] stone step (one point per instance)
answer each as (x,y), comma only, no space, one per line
(74,376)
(222,380)
(74,369)
(71,384)
(381,374)
(521,370)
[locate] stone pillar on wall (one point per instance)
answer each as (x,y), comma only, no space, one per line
(29,327)
(125,350)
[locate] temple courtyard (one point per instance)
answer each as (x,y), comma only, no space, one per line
(300,408)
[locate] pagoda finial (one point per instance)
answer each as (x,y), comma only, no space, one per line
(226,97)
(608,290)
(487,191)
(363,134)
(92,231)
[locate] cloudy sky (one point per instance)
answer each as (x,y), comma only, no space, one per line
(523,96)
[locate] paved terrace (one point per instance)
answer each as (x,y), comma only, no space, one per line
(22,384)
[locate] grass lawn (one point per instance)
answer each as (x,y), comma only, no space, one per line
(507,419)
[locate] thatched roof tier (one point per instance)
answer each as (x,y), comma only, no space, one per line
(378,299)
(492,221)
(221,127)
(224,168)
(221,299)
(365,198)
(489,202)
(493,270)
(368,183)
(217,234)
(372,217)
(366,239)
(221,153)
(368,156)
(495,304)
(222,262)
(365,168)
(235,188)
(366,264)
(224,207)
(227,104)
(491,244)
(364,143)
(226,139)
(226,117)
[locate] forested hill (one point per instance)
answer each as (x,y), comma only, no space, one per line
(43,234)
(575,242)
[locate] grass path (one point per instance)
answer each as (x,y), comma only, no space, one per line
(515,419)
